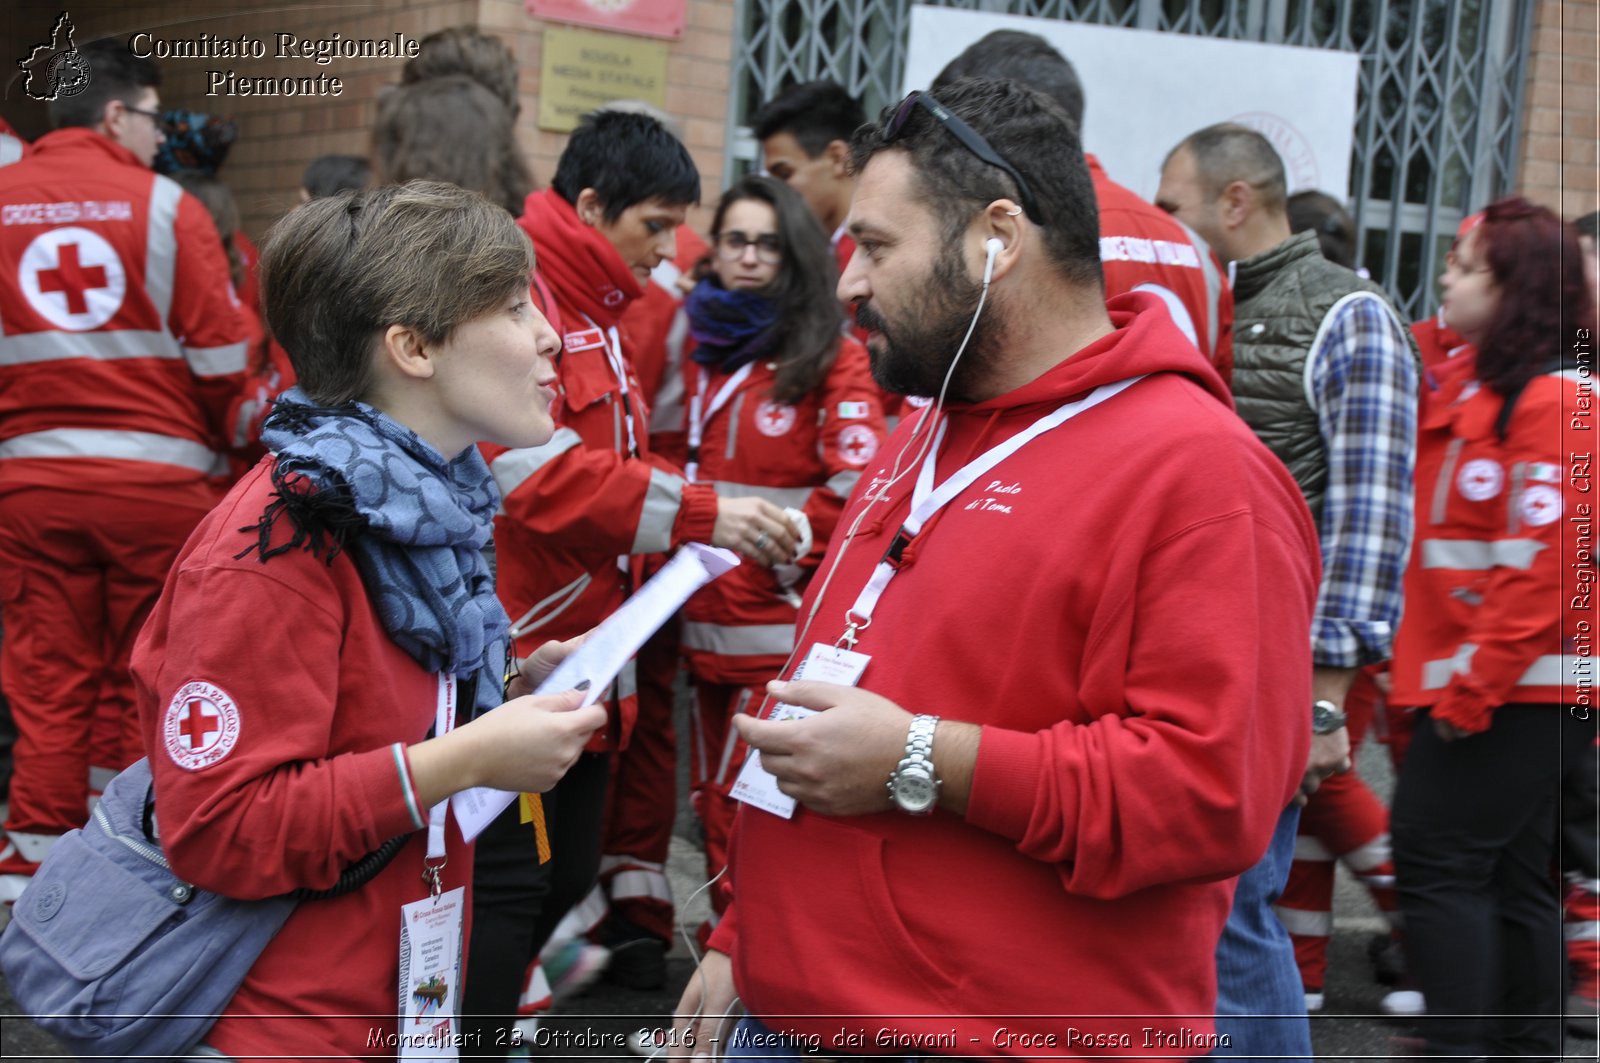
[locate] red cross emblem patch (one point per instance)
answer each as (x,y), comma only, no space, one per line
(774,419)
(72,278)
(201,725)
(1480,480)
(1541,505)
(857,444)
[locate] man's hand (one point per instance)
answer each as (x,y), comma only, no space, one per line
(1330,755)
(837,762)
(755,528)
(1447,731)
(702,1021)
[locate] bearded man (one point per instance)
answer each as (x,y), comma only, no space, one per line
(1031,745)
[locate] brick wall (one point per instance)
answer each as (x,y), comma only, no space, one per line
(279,134)
(1558,164)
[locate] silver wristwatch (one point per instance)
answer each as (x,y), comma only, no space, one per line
(914,784)
(1326,718)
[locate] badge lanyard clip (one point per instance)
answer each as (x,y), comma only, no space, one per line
(433,865)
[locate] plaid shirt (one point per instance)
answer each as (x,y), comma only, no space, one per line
(1363,380)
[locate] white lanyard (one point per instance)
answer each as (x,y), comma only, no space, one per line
(926,499)
(620,368)
(700,415)
(444,719)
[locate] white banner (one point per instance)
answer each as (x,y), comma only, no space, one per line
(1146,91)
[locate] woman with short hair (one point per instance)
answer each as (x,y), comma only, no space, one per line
(316,677)
(1495,600)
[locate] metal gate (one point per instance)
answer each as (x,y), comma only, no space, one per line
(1438,110)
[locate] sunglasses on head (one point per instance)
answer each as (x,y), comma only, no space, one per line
(969,137)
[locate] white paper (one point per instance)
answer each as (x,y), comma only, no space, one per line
(606,650)
(823,664)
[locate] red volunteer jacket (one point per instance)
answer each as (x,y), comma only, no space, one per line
(1123,606)
(276,712)
(1494,591)
(594,493)
(740,628)
(1143,248)
(123,346)
(648,323)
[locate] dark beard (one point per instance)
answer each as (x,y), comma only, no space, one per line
(916,354)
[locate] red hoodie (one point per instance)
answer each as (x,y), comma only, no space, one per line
(1125,606)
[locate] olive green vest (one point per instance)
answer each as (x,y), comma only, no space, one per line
(1280,298)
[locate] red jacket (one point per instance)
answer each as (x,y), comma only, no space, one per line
(1144,248)
(322,704)
(648,322)
(1124,606)
(740,628)
(1500,577)
(123,354)
(594,493)
(1438,342)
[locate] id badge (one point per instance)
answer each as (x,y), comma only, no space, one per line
(430,976)
(823,664)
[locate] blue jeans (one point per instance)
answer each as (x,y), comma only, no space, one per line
(1261,1005)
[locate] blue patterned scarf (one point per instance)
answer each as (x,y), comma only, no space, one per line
(730,328)
(414,521)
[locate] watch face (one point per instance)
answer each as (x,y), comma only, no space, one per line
(915,793)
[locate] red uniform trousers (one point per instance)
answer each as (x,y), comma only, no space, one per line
(79,572)
(716,753)
(1344,820)
(643,801)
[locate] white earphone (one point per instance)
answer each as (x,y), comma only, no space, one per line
(994,245)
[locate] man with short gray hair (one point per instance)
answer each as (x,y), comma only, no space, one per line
(1325,373)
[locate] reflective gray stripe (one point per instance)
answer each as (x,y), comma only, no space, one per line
(1307,847)
(106,443)
(1519,473)
(241,424)
(1447,473)
(733,419)
(748,640)
(161,244)
(1477,556)
(1583,931)
(842,483)
(778,496)
(1547,671)
(10,149)
(662,501)
(668,414)
(218,361)
(1306,924)
(557,603)
(730,743)
(513,468)
(102,346)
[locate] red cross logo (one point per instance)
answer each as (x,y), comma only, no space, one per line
(857,444)
(201,725)
(774,419)
(72,278)
(197,726)
(1541,505)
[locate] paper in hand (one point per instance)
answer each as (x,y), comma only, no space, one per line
(604,653)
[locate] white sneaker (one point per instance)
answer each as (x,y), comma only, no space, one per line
(1403,1002)
(1314,1001)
